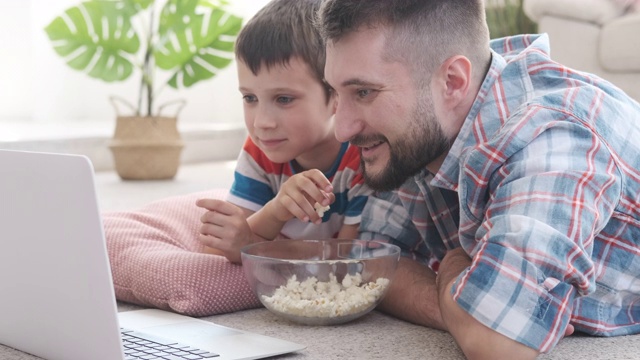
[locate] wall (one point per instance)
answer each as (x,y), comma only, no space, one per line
(36,86)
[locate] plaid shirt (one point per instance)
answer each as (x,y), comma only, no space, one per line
(546,167)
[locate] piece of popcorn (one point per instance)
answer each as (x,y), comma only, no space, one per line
(320,210)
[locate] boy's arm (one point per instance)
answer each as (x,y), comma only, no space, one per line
(295,199)
(210,250)
(348,231)
(265,224)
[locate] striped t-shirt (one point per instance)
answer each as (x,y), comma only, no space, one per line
(258,180)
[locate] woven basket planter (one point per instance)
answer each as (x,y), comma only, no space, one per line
(146,147)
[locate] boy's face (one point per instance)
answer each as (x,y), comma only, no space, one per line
(287,114)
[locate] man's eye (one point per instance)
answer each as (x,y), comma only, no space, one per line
(284,99)
(364,92)
(249,99)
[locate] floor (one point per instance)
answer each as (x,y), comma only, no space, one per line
(116,194)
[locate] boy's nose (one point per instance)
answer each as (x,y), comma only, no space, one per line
(263,118)
(347,123)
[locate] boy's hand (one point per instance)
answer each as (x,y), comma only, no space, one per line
(224,227)
(298,195)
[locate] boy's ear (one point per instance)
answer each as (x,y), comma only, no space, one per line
(333,102)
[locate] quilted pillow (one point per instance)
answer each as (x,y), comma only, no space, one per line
(157,260)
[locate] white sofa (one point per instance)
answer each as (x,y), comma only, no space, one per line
(597,36)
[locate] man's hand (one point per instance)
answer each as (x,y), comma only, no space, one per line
(224,228)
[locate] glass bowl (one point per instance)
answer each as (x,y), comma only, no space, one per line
(320,282)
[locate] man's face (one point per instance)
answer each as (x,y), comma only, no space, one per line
(381,110)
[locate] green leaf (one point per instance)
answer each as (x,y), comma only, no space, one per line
(507,17)
(97,37)
(142,4)
(178,33)
(196,40)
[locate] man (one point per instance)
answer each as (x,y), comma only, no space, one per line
(514,178)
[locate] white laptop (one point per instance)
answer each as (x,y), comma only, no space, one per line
(56,297)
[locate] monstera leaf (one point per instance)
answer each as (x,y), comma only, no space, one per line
(97,37)
(196,38)
(190,39)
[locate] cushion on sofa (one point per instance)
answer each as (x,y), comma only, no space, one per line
(619,43)
(596,11)
(156,260)
(630,5)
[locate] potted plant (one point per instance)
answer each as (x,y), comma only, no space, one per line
(186,40)
(507,17)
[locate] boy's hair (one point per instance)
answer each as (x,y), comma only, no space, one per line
(279,31)
(422,33)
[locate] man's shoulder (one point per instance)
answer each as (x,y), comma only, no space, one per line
(512,47)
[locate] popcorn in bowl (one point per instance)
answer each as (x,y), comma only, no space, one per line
(313,298)
(320,282)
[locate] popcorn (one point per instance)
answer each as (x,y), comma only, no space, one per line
(321,209)
(313,298)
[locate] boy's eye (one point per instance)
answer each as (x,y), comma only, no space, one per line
(249,99)
(284,99)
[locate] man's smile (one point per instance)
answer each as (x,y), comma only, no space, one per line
(369,152)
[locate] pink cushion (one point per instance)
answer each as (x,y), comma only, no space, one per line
(156,260)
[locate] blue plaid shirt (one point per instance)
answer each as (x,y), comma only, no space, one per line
(546,167)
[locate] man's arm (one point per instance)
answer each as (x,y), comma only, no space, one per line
(413,295)
(476,340)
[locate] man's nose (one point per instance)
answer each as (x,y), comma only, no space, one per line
(347,122)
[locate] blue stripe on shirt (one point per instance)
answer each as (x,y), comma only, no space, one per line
(251,189)
(343,206)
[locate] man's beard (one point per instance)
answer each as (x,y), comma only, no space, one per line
(423,142)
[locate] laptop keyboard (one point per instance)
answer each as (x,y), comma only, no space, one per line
(138,345)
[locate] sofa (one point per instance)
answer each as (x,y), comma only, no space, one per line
(597,36)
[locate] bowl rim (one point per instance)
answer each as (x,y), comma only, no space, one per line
(396,251)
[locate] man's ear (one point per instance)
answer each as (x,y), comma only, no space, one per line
(453,80)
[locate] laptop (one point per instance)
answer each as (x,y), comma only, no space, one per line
(57,299)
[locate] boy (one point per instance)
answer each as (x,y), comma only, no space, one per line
(291,163)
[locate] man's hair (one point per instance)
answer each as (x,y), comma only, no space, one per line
(422,33)
(281,30)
